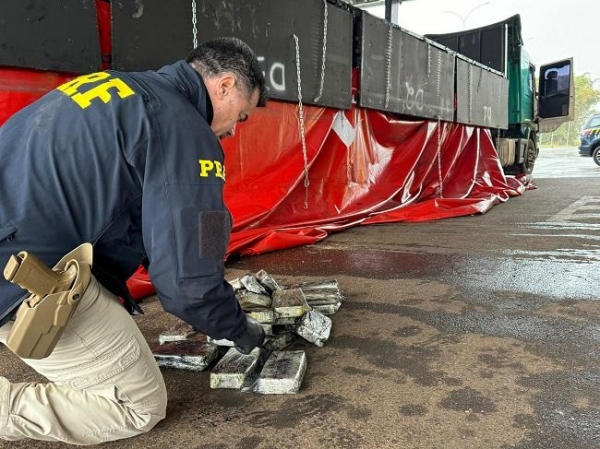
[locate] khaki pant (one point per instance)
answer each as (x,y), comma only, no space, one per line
(104,383)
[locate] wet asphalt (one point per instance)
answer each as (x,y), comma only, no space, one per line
(472,332)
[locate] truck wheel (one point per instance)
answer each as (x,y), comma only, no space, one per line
(525,167)
(596,155)
(530,157)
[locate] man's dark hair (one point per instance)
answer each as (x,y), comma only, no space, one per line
(232,55)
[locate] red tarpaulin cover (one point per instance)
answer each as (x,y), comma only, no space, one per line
(363,167)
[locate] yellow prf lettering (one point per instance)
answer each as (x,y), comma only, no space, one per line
(101,91)
(71,87)
(205,167)
(219,169)
(215,168)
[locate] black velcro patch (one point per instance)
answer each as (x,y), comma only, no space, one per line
(214,229)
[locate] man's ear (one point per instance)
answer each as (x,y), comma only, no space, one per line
(225,85)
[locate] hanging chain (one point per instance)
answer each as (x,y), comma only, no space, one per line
(349,176)
(477,130)
(470,90)
(324,52)
(439,157)
(388,67)
(498,142)
(194,24)
(301,117)
(428,61)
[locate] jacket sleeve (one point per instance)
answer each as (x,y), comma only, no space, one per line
(186,229)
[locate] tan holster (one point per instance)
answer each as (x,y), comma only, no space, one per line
(54,296)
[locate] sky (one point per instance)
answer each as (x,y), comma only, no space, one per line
(552,29)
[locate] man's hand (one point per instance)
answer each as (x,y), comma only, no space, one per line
(253,336)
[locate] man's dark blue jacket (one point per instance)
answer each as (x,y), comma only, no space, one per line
(128,162)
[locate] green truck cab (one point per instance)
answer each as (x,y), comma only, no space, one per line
(530,111)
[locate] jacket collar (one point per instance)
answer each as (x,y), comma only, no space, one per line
(189,82)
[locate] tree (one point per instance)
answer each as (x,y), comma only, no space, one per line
(587,99)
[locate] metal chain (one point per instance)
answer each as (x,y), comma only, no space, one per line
(439,77)
(439,157)
(301,117)
(194,24)
(478,134)
(323,57)
(469,90)
(428,60)
(388,67)
(498,140)
(349,176)
(502,153)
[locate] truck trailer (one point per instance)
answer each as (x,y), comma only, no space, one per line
(367,122)
(532,109)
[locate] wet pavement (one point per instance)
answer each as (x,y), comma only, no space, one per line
(474,332)
(565,162)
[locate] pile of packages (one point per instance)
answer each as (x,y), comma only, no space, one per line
(286,313)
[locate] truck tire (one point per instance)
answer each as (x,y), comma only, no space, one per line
(530,157)
(525,167)
(596,155)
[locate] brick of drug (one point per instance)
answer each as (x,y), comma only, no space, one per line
(249,300)
(179,331)
(232,369)
(267,281)
(282,374)
(236,284)
(186,355)
(327,309)
(285,321)
(251,284)
(263,315)
(327,292)
(315,298)
(314,327)
(220,342)
(289,303)
(328,285)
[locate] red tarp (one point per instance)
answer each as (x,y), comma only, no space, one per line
(363,167)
